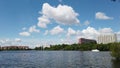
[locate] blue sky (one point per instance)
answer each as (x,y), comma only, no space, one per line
(39,22)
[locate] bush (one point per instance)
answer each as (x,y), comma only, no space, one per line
(115,50)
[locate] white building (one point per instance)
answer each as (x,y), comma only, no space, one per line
(107,38)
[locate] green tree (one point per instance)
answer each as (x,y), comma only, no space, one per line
(115,50)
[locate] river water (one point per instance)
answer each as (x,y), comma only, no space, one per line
(57,59)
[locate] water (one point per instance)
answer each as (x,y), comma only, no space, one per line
(56,59)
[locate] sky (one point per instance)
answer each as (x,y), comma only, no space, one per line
(45,22)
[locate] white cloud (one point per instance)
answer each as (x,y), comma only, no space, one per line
(42,25)
(24,33)
(56,30)
(102,16)
(6,42)
(71,32)
(11,42)
(43,21)
(46,32)
(33,29)
(2,41)
(86,23)
(18,40)
(67,41)
(92,33)
(89,33)
(62,14)
(90,30)
(106,31)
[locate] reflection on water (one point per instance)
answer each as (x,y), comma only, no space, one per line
(56,59)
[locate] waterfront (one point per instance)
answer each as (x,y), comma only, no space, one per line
(56,59)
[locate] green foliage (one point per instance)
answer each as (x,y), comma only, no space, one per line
(82,47)
(115,50)
(39,48)
(103,47)
(85,47)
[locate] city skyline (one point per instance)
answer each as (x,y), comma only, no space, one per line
(45,22)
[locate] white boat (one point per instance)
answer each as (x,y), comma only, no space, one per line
(95,50)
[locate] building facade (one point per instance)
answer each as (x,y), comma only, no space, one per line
(104,39)
(14,48)
(84,41)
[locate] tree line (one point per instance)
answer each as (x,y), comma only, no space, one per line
(114,48)
(81,47)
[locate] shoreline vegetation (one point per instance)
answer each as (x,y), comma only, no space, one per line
(79,47)
(114,48)
(72,47)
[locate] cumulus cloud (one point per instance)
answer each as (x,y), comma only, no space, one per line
(11,42)
(18,40)
(43,21)
(67,41)
(56,30)
(24,33)
(92,33)
(33,29)
(71,32)
(89,32)
(62,14)
(106,31)
(6,42)
(102,16)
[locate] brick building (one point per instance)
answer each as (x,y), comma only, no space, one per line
(83,41)
(14,48)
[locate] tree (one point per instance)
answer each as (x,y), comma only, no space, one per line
(115,50)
